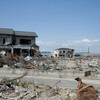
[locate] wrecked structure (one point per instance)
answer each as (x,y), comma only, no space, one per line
(64,52)
(18,42)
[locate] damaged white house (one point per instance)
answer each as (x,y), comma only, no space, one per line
(64,52)
(18,42)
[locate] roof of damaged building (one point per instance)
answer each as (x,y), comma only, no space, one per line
(24,33)
(6,31)
(63,49)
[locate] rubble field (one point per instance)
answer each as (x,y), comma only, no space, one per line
(33,91)
(69,67)
(13,89)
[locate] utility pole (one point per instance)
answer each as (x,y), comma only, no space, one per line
(88,49)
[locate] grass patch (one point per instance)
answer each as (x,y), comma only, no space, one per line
(15,83)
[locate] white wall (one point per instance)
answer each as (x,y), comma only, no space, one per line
(57,52)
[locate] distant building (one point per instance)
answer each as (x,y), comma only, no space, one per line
(17,42)
(64,52)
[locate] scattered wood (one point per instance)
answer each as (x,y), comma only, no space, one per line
(24,74)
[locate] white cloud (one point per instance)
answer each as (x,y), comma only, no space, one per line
(44,43)
(39,42)
(85,40)
(80,45)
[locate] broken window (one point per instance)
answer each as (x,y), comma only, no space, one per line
(60,52)
(25,52)
(13,40)
(17,51)
(25,41)
(2,40)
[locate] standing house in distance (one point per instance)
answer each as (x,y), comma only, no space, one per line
(18,42)
(64,52)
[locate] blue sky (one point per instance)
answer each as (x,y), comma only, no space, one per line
(58,23)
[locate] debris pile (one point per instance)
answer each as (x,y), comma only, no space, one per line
(30,91)
(90,66)
(50,63)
